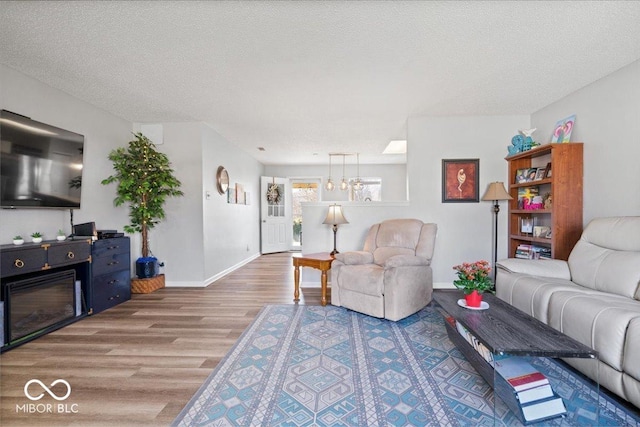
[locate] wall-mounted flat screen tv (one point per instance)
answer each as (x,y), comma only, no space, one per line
(40,165)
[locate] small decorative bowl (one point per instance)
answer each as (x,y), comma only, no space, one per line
(61,238)
(18,242)
(37,239)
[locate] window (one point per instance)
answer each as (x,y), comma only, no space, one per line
(371,190)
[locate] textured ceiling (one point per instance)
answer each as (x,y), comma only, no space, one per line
(299,78)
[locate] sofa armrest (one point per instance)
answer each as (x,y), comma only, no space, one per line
(555,268)
(405,261)
(355,257)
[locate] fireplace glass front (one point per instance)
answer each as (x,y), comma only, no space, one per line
(40,302)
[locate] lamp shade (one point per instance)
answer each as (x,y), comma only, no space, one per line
(496,191)
(335,216)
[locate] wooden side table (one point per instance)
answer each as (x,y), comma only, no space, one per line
(321,261)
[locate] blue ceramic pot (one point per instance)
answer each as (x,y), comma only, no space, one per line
(146,267)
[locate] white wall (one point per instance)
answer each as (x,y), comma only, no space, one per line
(231,232)
(464,229)
(102,131)
(203,237)
(608,123)
(178,239)
(200,239)
(394,178)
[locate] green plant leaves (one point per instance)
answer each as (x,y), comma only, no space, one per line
(145,179)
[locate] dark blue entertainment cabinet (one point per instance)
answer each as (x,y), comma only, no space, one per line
(48,285)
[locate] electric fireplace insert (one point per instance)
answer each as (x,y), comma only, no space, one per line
(39,303)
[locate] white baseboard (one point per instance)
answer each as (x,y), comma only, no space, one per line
(437,285)
(304,284)
(207,282)
(443,285)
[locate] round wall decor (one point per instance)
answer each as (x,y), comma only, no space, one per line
(222,180)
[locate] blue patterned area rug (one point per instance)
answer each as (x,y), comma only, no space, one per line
(327,366)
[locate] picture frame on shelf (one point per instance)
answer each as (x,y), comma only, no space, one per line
(547,171)
(562,129)
(531,174)
(526,225)
(521,175)
(460,180)
(541,231)
(540,174)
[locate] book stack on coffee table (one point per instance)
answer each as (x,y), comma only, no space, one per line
(526,391)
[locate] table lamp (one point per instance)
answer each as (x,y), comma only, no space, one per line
(335,218)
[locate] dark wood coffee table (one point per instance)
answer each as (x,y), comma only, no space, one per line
(505,330)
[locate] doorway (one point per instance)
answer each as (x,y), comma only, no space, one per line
(303,190)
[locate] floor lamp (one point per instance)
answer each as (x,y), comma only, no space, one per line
(335,218)
(495,192)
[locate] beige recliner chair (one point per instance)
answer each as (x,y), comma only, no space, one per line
(391,277)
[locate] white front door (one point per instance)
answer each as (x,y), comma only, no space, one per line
(275,210)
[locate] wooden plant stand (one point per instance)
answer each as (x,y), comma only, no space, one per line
(148,285)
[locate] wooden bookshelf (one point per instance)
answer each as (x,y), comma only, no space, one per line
(564,218)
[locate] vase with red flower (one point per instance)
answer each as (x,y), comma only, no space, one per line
(473,280)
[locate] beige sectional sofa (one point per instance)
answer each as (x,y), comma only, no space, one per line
(594,297)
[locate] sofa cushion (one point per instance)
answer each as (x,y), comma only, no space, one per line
(544,268)
(355,257)
(401,233)
(607,256)
(396,237)
(427,242)
(365,279)
(598,320)
(617,233)
(631,363)
(381,255)
(531,294)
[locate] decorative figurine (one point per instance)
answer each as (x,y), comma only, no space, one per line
(516,144)
(529,143)
(523,141)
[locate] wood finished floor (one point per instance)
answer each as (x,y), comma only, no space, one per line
(139,363)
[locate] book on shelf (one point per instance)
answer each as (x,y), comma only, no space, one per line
(526,251)
(543,409)
(535,393)
(519,373)
(526,391)
(480,348)
(530,411)
(545,253)
(523,251)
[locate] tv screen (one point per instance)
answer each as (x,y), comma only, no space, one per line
(40,165)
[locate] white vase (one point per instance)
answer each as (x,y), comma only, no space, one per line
(37,239)
(18,241)
(61,238)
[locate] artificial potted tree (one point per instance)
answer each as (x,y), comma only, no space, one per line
(145,181)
